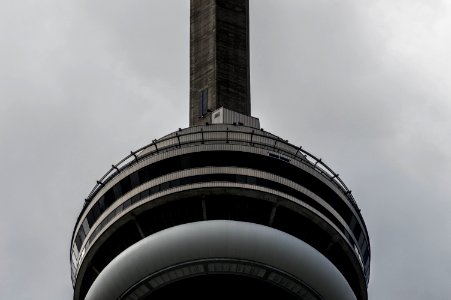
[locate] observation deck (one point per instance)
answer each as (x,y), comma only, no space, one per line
(227,176)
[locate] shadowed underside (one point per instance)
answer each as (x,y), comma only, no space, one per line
(221,286)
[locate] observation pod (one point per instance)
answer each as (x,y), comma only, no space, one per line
(222,209)
(204,206)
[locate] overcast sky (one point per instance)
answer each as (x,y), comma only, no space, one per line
(365,85)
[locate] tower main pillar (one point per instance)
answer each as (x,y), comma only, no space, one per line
(219,58)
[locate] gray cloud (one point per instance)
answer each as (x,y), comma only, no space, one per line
(362,85)
(346,82)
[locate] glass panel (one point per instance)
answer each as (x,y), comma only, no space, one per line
(81,234)
(353,223)
(364,247)
(203,102)
(96,211)
(144,174)
(90,217)
(127,203)
(126,185)
(175,182)
(164,186)
(78,241)
(135,198)
(241,179)
(101,203)
(361,239)
(144,194)
(356,230)
(154,189)
(85,226)
(367,262)
(117,191)
(134,178)
(109,198)
(200,107)
(251,180)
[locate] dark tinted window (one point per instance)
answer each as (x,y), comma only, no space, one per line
(136,198)
(143,175)
(109,198)
(203,103)
(154,189)
(101,203)
(144,194)
(90,218)
(126,185)
(241,179)
(164,186)
(134,178)
(117,190)
(96,211)
(175,183)
(78,242)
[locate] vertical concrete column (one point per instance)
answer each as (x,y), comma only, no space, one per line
(219,58)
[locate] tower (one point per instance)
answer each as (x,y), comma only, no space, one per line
(221,209)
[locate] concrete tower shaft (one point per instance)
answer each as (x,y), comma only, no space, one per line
(219,58)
